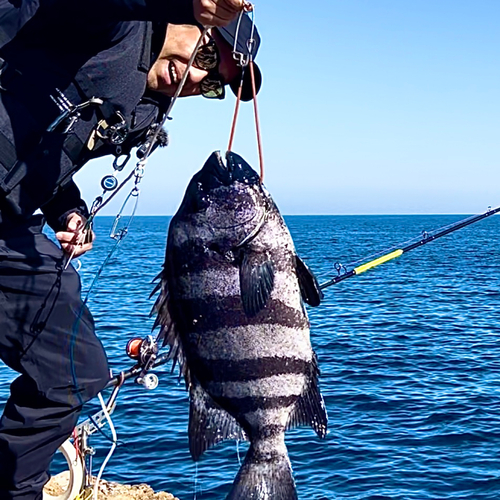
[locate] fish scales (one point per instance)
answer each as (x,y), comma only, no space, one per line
(232,308)
(252,341)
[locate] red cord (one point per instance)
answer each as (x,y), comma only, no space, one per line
(257,123)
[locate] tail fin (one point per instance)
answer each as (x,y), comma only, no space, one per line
(264,477)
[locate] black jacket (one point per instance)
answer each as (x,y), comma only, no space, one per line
(79,49)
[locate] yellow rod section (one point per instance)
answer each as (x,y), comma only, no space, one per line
(376,262)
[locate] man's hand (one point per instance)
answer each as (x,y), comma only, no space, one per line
(75,241)
(217,12)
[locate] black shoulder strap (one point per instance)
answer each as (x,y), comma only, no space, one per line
(14,14)
(145,57)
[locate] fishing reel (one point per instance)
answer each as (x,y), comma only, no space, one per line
(144,351)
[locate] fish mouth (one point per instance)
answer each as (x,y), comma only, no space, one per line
(233,169)
(222,170)
(237,207)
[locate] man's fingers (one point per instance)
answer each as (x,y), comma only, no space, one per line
(66,237)
(76,250)
(77,242)
(217,12)
(75,222)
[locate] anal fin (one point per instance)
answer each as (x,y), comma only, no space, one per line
(310,408)
(209,424)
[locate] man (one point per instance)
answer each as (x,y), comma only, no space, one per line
(73,86)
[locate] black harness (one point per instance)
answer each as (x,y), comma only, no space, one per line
(77,122)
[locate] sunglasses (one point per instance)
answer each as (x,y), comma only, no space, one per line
(207,58)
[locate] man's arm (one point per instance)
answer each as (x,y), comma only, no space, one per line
(66,201)
(206,12)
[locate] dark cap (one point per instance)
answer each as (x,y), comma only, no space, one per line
(242,45)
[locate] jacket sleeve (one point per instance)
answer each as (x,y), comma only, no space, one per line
(66,201)
(168,11)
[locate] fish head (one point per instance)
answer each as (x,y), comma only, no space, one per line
(225,203)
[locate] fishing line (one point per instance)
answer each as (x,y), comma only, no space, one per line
(238,452)
(396,251)
(111,451)
(99,203)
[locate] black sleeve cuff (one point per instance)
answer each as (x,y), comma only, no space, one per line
(65,202)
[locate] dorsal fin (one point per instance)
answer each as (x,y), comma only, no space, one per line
(168,333)
(209,424)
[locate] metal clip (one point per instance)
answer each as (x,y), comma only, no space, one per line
(120,166)
(70,113)
(119,233)
(152,139)
(241,58)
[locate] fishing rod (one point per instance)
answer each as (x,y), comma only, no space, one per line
(426,237)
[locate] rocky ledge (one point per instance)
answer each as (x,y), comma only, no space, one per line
(109,490)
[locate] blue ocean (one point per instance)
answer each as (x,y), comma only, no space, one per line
(409,355)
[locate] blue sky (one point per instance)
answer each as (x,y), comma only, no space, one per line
(367,107)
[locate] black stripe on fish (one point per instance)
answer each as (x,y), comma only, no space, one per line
(190,257)
(244,370)
(215,313)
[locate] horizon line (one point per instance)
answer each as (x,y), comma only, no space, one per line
(325,215)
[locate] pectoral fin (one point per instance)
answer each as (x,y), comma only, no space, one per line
(309,286)
(256,282)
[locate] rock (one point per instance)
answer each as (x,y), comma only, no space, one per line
(109,490)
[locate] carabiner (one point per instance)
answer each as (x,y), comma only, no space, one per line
(121,233)
(244,59)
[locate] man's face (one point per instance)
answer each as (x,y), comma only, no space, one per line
(168,69)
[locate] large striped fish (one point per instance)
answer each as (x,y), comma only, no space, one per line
(231,308)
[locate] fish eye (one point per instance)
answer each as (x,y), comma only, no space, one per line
(197,199)
(201,201)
